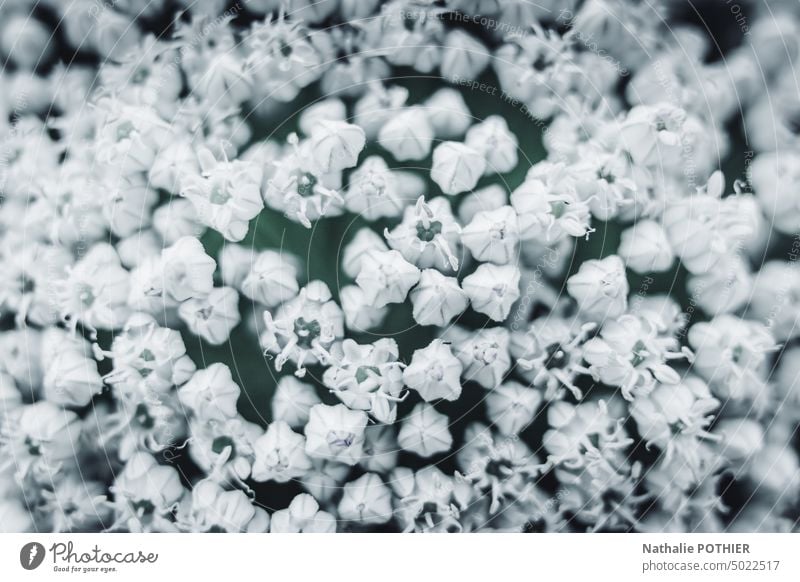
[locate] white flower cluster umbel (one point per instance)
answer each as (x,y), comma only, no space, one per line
(604,332)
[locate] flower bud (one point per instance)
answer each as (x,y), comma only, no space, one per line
(425,432)
(493,289)
(437,299)
(456,167)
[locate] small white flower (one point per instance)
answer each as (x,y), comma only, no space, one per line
(493,235)
(335,145)
(359,315)
(280,454)
(367,377)
(335,433)
(644,248)
(187,270)
(366,500)
(425,432)
(271,280)
(176,219)
(223,449)
(302,516)
(227,195)
(145,494)
(211,393)
(407,135)
(456,167)
(463,56)
(293,400)
(775,177)
(741,438)
(437,299)
(235,262)
(550,211)
(304,328)
(732,355)
(428,232)
(330,109)
(365,240)
(776,298)
(378,106)
(71,377)
(484,354)
(492,289)
(176,160)
(486,199)
(512,407)
(496,142)
(212,317)
(380,449)
(448,113)
(375,191)
(434,372)
(95,291)
(724,289)
(386,277)
(600,288)
(211,508)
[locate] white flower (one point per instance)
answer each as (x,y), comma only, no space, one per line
(493,235)
(211,393)
(365,240)
(235,262)
(378,106)
(358,314)
(644,248)
(211,508)
(176,219)
(632,352)
(775,177)
(375,191)
(71,377)
(428,232)
(484,354)
(292,401)
(335,145)
(428,500)
(731,354)
(776,298)
(407,135)
(437,299)
(549,211)
(652,134)
(674,417)
(741,438)
(304,328)
(271,280)
(223,449)
(227,195)
(366,500)
(130,137)
(492,289)
(425,432)
(367,377)
(550,354)
(380,449)
(386,277)
(456,167)
(434,372)
(330,109)
(95,291)
(212,317)
(187,270)
(512,407)
(600,288)
(175,161)
(25,39)
(280,454)
(335,433)
(725,288)
(302,516)
(463,56)
(496,142)
(447,113)
(41,439)
(300,189)
(487,199)
(145,494)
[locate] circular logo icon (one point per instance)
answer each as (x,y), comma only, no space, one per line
(31,555)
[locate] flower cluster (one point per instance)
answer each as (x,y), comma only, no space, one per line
(599,333)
